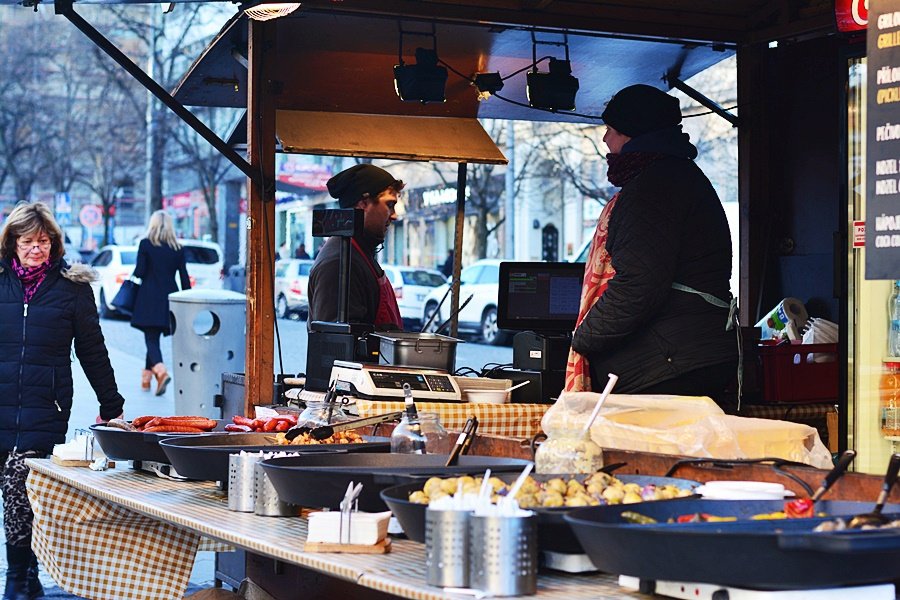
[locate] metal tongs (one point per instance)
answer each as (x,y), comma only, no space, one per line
(348,506)
(463,441)
(326,431)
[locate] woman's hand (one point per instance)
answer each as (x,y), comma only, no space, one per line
(100,419)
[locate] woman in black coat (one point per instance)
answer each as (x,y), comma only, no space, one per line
(656,300)
(159,257)
(45,307)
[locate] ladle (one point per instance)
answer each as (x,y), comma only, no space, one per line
(875,518)
(836,473)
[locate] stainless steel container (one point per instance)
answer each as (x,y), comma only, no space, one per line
(447,547)
(266,501)
(428,350)
(503,555)
(242,481)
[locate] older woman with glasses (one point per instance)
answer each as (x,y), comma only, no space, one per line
(45,306)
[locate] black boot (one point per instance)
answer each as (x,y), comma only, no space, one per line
(33,586)
(18,560)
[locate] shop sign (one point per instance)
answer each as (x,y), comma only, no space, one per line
(851,15)
(296,171)
(883,152)
(859,234)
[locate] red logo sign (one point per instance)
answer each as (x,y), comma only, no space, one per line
(859,234)
(851,15)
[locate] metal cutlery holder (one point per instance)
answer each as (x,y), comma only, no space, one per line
(503,556)
(266,502)
(447,547)
(242,481)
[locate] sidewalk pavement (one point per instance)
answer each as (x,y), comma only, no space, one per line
(137,402)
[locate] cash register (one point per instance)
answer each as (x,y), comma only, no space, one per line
(540,301)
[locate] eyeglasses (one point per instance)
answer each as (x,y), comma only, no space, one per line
(43,245)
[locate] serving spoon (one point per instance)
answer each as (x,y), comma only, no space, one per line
(875,518)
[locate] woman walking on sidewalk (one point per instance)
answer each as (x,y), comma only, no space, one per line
(159,257)
(45,306)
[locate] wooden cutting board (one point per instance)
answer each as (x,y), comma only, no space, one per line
(382,547)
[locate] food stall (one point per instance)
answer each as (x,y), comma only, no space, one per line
(682,33)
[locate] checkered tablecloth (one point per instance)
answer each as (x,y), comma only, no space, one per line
(510,420)
(98,550)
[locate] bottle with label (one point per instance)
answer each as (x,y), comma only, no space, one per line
(894,321)
(889,392)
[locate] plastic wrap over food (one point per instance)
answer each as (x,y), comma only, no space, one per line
(684,425)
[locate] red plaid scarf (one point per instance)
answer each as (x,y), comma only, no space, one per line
(31,277)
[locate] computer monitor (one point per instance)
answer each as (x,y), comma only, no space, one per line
(539,296)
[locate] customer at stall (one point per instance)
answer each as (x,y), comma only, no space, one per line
(45,306)
(655,301)
(159,258)
(372,299)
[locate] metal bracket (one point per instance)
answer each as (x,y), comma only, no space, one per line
(66,9)
(673,80)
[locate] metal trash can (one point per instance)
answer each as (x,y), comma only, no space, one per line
(209,332)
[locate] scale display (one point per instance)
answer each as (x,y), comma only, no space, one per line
(395,381)
(386,383)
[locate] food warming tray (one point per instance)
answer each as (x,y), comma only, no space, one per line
(140,446)
(207,458)
(764,554)
(320,480)
(554,533)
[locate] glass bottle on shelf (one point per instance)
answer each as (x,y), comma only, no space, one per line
(420,435)
(889,392)
(894,321)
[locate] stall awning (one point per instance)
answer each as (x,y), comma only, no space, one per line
(443,139)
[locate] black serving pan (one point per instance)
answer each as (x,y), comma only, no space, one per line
(320,480)
(767,554)
(207,458)
(140,446)
(554,533)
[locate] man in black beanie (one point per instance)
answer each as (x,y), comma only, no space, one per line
(655,308)
(372,299)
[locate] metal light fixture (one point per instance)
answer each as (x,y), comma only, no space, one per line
(424,81)
(487,84)
(266,11)
(556,89)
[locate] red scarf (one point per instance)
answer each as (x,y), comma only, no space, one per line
(31,277)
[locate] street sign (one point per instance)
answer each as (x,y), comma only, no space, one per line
(90,215)
(63,208)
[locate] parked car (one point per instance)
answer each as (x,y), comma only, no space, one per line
(115,264)
(481,280)
(411,286)
(291,280)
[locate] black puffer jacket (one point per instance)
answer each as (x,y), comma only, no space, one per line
(35,357)
(667,226)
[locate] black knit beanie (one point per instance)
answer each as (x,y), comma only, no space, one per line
(640,109)
(350,185)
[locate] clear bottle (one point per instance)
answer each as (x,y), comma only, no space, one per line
(421,435)
(889,393)
(894,321)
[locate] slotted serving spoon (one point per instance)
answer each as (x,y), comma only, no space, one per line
(875,518)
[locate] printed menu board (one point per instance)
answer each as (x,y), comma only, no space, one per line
(883,141)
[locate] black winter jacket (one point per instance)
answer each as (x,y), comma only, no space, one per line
(35,356)
(156,267)
(667,226)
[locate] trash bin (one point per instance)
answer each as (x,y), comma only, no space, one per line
(209,331)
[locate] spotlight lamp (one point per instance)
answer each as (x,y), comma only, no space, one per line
(556,89)
(423,81)
(487,84)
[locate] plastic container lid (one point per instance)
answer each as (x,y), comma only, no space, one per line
(742,490)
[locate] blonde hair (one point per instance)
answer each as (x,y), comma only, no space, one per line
(30,218)
(161,230)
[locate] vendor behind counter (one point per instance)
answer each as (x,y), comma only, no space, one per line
(372,299)
(656,297)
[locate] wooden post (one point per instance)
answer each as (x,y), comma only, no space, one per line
(259,378)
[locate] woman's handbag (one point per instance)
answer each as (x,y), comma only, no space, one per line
(126,296)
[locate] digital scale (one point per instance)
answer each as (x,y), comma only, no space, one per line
(709,591)
(383,382)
